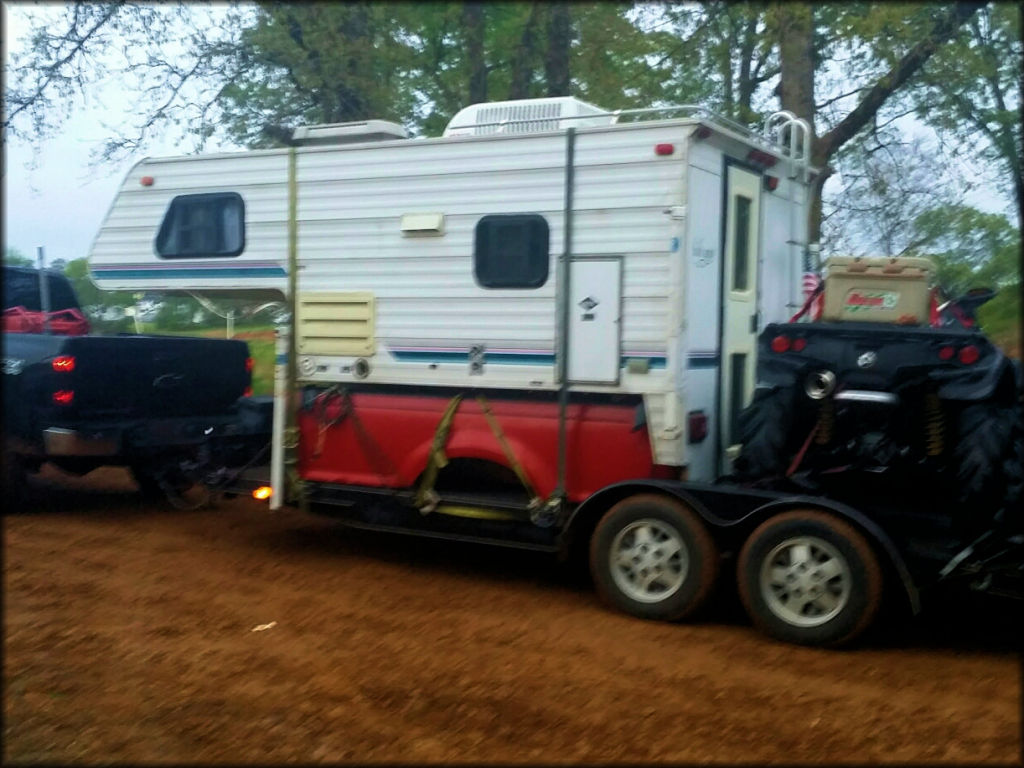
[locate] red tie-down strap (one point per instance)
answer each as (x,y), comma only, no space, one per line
(812,300)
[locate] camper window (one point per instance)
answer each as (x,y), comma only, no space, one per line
(511,251)
(202,225)
(741,268)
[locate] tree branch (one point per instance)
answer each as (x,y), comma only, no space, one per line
(905,68)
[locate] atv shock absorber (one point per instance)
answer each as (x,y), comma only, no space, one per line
(826,422)
(934,425)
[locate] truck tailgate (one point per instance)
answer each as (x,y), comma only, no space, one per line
(147,376)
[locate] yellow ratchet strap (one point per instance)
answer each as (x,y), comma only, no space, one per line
(507,450)
(426,499)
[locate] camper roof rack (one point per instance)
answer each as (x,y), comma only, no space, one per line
(347,133)
(788,135)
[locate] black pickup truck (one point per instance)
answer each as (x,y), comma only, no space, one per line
(175,410)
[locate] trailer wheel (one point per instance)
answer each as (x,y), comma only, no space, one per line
(807,577)
(652,557)
(985,442)
(765,426)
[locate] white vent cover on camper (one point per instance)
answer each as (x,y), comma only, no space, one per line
(540,114)
(347,133)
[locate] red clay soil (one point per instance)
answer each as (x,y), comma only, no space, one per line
(129,638)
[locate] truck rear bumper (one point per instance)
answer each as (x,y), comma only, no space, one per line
(69,442)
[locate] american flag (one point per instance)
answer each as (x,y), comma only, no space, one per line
(809,283)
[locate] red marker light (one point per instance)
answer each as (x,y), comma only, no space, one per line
(64,364)
(146,181)
(799,345)
(664,149)
(247,392)
(248,364)
(969,354)
(946,353)
(63,396)
(780,344)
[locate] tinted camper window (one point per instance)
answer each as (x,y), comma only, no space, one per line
(202,225)
(511,251)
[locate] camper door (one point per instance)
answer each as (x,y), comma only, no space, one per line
(739,303)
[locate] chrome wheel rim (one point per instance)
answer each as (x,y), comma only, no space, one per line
(805,581)
(648,560)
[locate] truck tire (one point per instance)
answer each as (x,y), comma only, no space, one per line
(14,480)
(146,479)
(765,430)
(652,557)
(810,578)
(984,453)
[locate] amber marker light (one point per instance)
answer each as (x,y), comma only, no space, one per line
(263,493)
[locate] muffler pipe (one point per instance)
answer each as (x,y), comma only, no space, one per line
(819,384)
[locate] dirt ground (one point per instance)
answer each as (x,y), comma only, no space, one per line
(128,638)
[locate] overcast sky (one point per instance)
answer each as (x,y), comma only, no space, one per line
(62,202)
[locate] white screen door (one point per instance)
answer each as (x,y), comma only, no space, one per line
(594,319)
(739,299)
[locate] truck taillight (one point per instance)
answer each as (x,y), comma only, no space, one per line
(946,353)
(799,345)
(781,344)
(248,364)
(64,396)
(64,364)
(969,354)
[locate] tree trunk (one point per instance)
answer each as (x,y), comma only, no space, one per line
(473,21)
(556,60)
(796,91)
(522,69)
(796,86)
(351,102)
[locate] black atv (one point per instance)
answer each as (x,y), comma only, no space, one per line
(932,412)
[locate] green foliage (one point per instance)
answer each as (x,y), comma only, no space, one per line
(317,63)
(970,247)
(970,92)
(15,258)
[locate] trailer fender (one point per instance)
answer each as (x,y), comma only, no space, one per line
(583,519)
(999,381)
(876,535)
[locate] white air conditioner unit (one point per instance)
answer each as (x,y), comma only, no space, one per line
(347,133)
(526,116)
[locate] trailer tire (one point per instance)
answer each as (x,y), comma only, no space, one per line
(984,454)
(652,557)
(765,428)
(810,578)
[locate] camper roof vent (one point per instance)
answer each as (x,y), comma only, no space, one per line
(526,116)
(347,133)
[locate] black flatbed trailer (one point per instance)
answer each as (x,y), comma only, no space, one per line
(913,545)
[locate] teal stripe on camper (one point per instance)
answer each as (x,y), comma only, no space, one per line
(500,358)
(185,272)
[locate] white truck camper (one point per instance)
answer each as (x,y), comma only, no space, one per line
(568,294)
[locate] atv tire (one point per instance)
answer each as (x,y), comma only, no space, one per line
(987,456)
(766,427)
